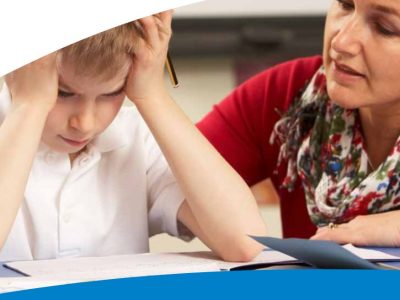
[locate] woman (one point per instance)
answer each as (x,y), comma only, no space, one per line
(339,150)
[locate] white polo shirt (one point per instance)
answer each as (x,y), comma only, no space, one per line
(117,194)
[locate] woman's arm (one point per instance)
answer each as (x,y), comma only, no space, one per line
(371,230)
(220,207)
(34,90)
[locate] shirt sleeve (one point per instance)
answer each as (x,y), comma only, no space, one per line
(241,125)
(164,194)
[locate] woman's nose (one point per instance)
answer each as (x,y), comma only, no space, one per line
(348,39)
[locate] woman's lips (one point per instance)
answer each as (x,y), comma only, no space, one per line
(345,74)
(75,143)
(347,69)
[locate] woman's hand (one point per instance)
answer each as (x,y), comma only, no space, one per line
(146,78)
(35,83)
(372,230)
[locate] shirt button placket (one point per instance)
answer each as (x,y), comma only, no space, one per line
(84,161)
(50,158)
(65,216)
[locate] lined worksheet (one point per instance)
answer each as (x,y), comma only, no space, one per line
(96,268)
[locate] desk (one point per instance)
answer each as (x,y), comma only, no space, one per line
(392,251)
(4,272)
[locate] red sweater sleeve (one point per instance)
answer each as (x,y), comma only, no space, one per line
(240,127)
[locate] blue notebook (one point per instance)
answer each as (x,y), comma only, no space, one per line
(318,254)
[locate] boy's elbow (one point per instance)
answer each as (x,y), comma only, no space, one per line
(246,252)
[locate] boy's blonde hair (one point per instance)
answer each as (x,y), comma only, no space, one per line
(104,54)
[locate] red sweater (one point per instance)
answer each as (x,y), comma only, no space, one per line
(241,125)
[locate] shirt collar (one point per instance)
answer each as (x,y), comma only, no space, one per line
(112,138)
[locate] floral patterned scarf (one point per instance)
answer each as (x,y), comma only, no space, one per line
(323,145)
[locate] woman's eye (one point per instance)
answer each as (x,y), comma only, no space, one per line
(64,94)
(384,30)
(346,5)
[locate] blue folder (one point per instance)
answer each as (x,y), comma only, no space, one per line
(318,254)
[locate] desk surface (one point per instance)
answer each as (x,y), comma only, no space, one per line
(5,272)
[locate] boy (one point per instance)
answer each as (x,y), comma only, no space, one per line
(82,177)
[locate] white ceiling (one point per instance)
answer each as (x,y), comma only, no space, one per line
(232,8)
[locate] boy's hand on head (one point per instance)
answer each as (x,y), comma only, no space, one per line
(35,83)
(146,78)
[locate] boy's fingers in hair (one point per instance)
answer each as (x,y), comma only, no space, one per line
(8,79)
(59,58)
(150,30)
(140,48)
(49,61)
(138,28)
(46,62)
(164,28)
(166,16)
(164,32)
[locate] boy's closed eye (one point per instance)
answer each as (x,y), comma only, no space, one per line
(65,94)
(116,93)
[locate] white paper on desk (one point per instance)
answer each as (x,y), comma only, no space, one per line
(272,256)
(371,255)
(265,257)
(12,284)
(94,268)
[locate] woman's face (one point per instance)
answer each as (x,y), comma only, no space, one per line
(362,52)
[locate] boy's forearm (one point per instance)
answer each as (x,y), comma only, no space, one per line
(221,202)
(20,135)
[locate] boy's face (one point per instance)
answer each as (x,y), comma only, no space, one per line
(85,108)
